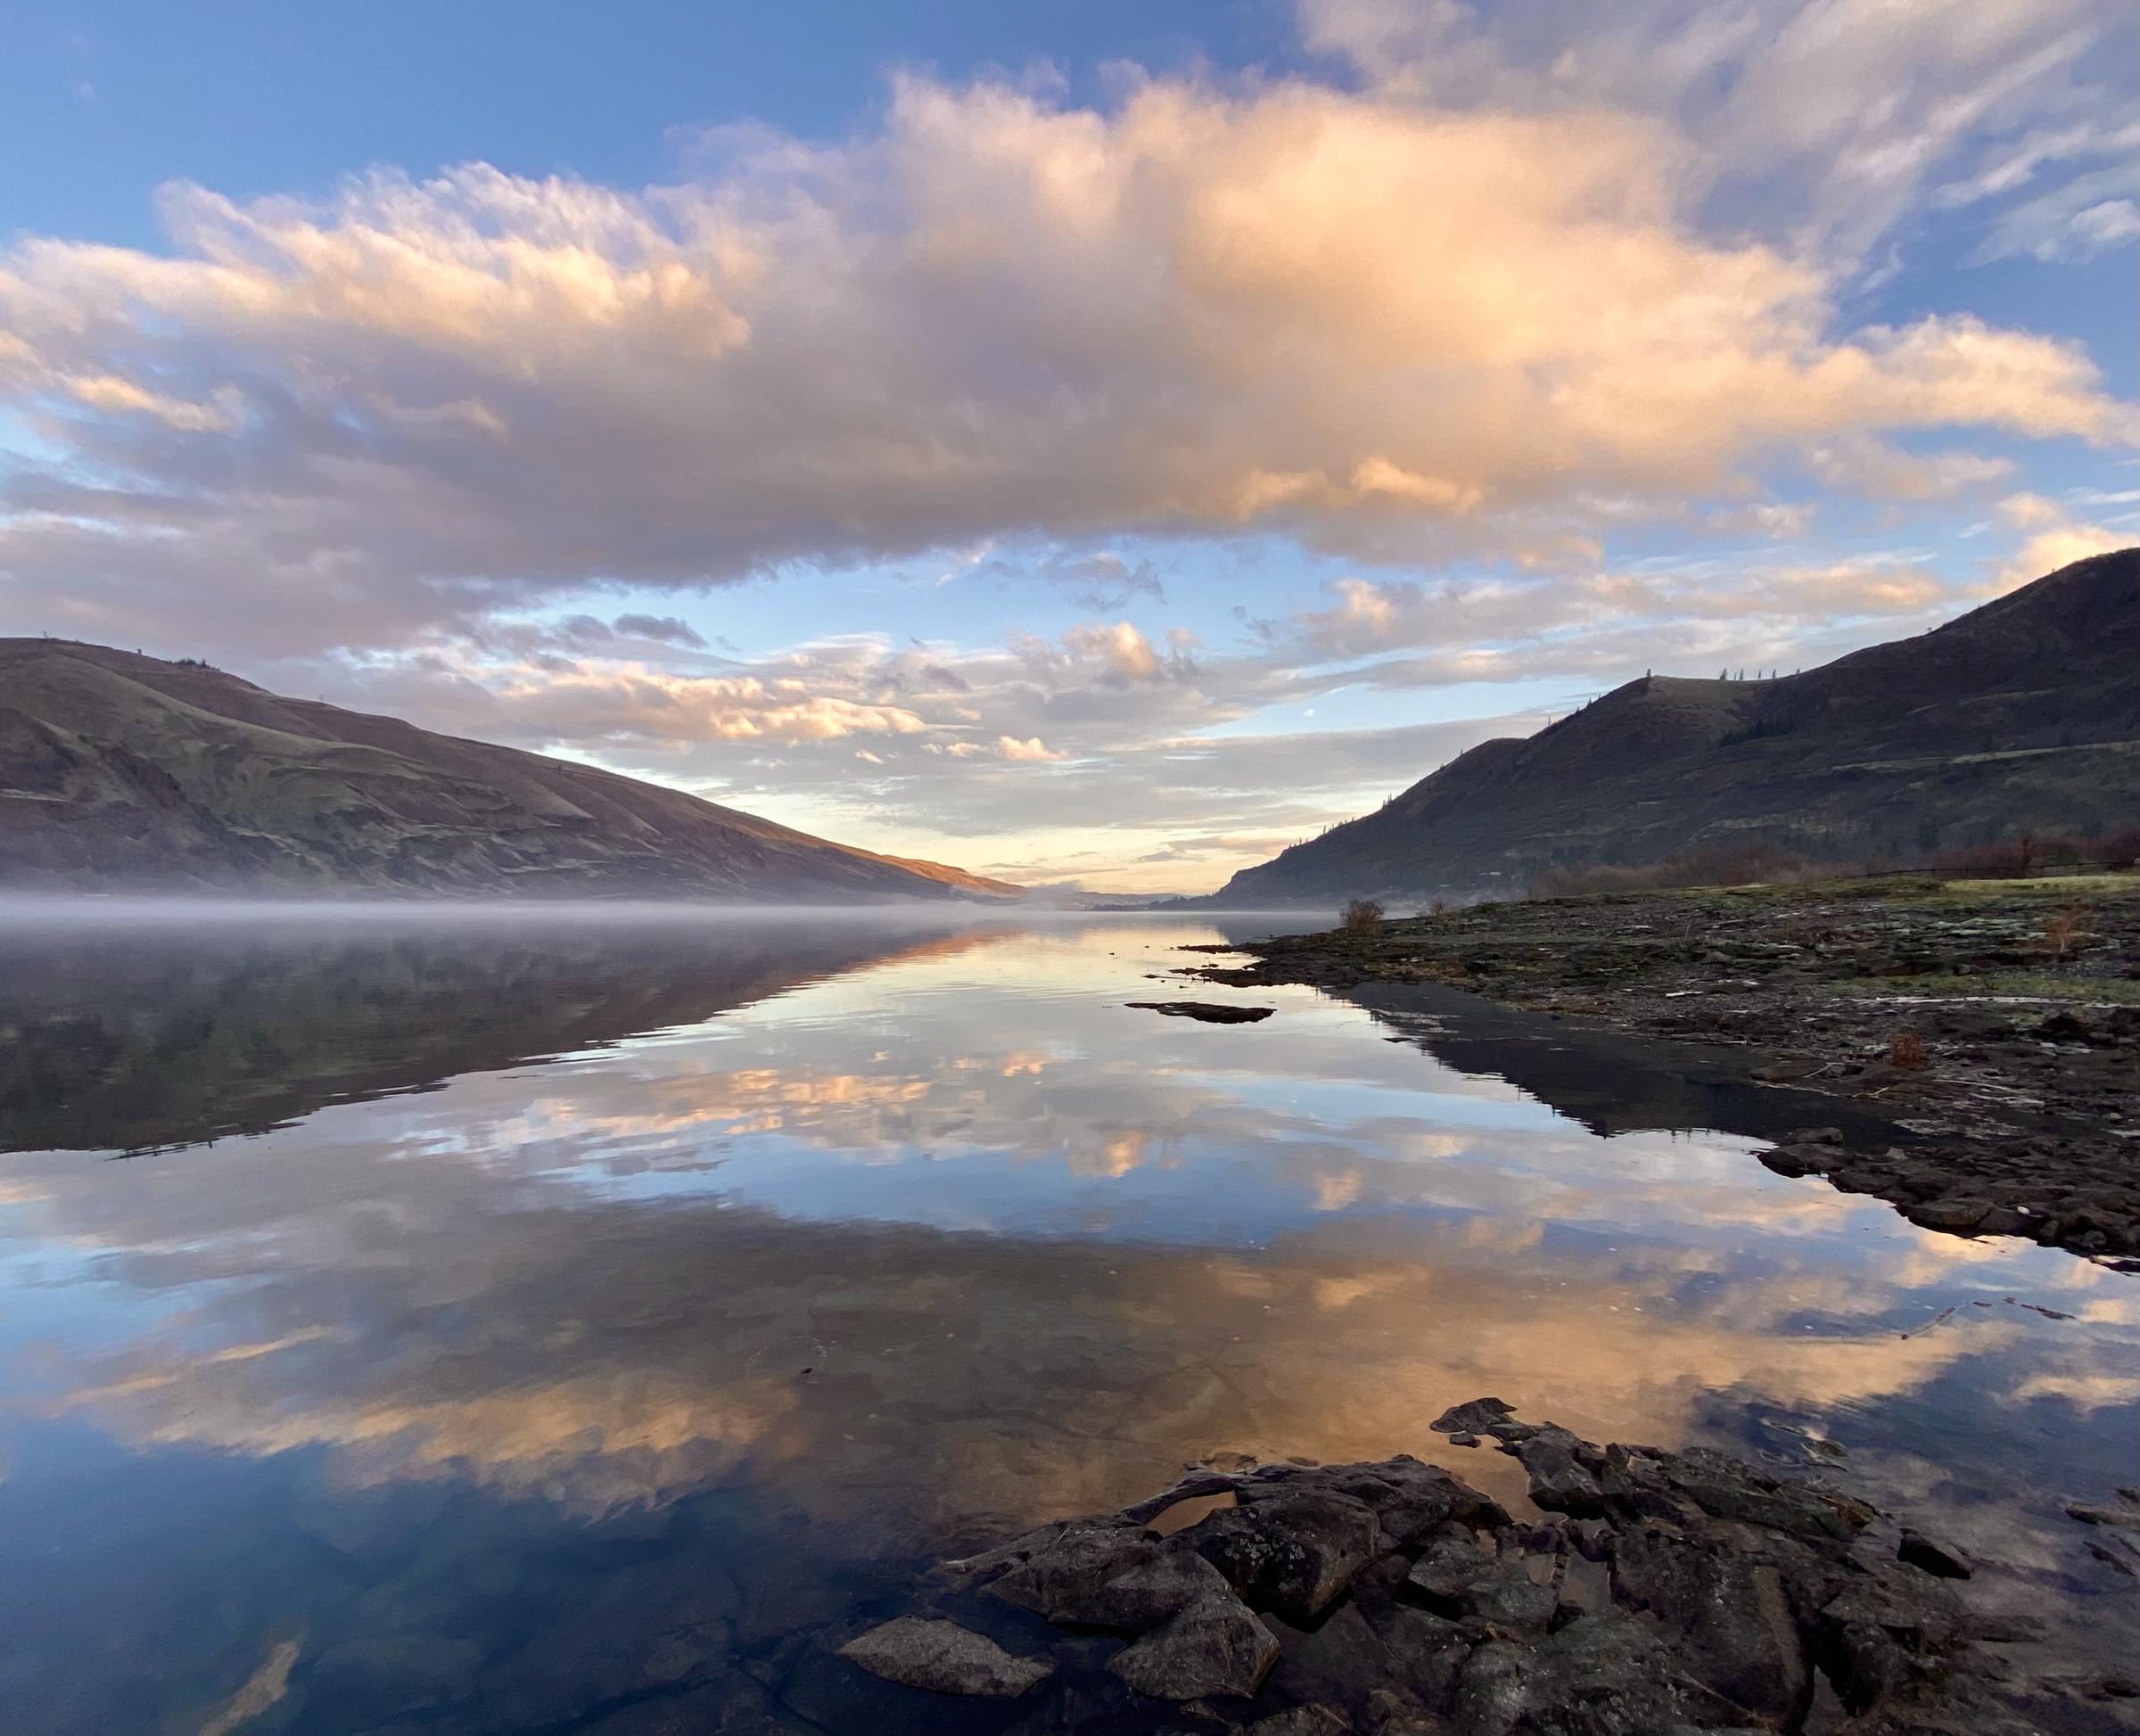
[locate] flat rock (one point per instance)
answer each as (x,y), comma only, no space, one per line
(1215,1646)
(1210,1012)
(943,1658)
(1951,1214)
(1941,1560)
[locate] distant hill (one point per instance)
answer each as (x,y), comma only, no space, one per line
(120,772)
(2025,713)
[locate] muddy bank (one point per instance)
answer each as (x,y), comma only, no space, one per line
(1969,1052)
(1660,1592)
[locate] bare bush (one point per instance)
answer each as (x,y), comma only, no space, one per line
(1361,915)
(2064,930)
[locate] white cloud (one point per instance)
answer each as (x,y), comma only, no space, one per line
(1400,331)
(2052,537)
(1033,750)
(1825,118)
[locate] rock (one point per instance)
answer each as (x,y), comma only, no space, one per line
(1727,1489)
(1411,1501)
(1604,1677)
(1155,1590)
(1215,1646)
(943,1658)
(1559,1480)
(1472,1414)
(1795,1161)
(1291,1553)
(1887,1637)
(1464,1438)
(1732,1614)
(1209,1012)
(2089,1514)
(1828,1136)
(1935,1558)
(1064,1579)
(1300,1721)
(1950,1214)
(1698,1594)
(1346,1662)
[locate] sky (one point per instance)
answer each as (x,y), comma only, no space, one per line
(1096,443)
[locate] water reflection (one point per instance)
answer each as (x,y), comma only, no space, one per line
(583,1387)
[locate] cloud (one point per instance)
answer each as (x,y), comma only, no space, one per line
(1033,750)
(1825,119)
(1380,326)
(1125,654)
(1880,472)
(2052,538)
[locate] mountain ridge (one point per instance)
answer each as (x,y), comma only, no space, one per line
(2023,712)
(124,772)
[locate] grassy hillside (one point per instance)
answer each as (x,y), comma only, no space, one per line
(2025,713)
(120,771)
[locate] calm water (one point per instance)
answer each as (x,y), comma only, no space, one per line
(547,1327)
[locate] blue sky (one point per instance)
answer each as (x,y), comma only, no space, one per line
(1098,441)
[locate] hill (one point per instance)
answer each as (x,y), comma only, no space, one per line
(2023,713)
(121,772)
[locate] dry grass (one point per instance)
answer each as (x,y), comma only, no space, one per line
(2063,930)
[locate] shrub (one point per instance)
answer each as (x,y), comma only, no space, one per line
(1361,915)
(2065,929)
(1905,1050)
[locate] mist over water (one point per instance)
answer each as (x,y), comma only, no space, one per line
(511,1322)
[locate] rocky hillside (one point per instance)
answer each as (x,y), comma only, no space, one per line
(2025,713)
(120,772)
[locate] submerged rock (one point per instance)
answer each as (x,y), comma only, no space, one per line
(943,1658)
(1210,1012)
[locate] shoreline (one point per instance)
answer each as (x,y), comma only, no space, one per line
(1968,1051)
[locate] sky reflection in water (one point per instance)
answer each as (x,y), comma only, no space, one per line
(527,1366)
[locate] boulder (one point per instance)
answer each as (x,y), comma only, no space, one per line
(1291,1552)
(1731,1614)
(943,1658)
(1215,1646)
(1153,1590)
(1064,1579)
(1559,1480)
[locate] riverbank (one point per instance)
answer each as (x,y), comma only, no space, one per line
(1994,1025)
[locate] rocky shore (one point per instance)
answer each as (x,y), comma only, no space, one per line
(1660,1592)
(1993,1028)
